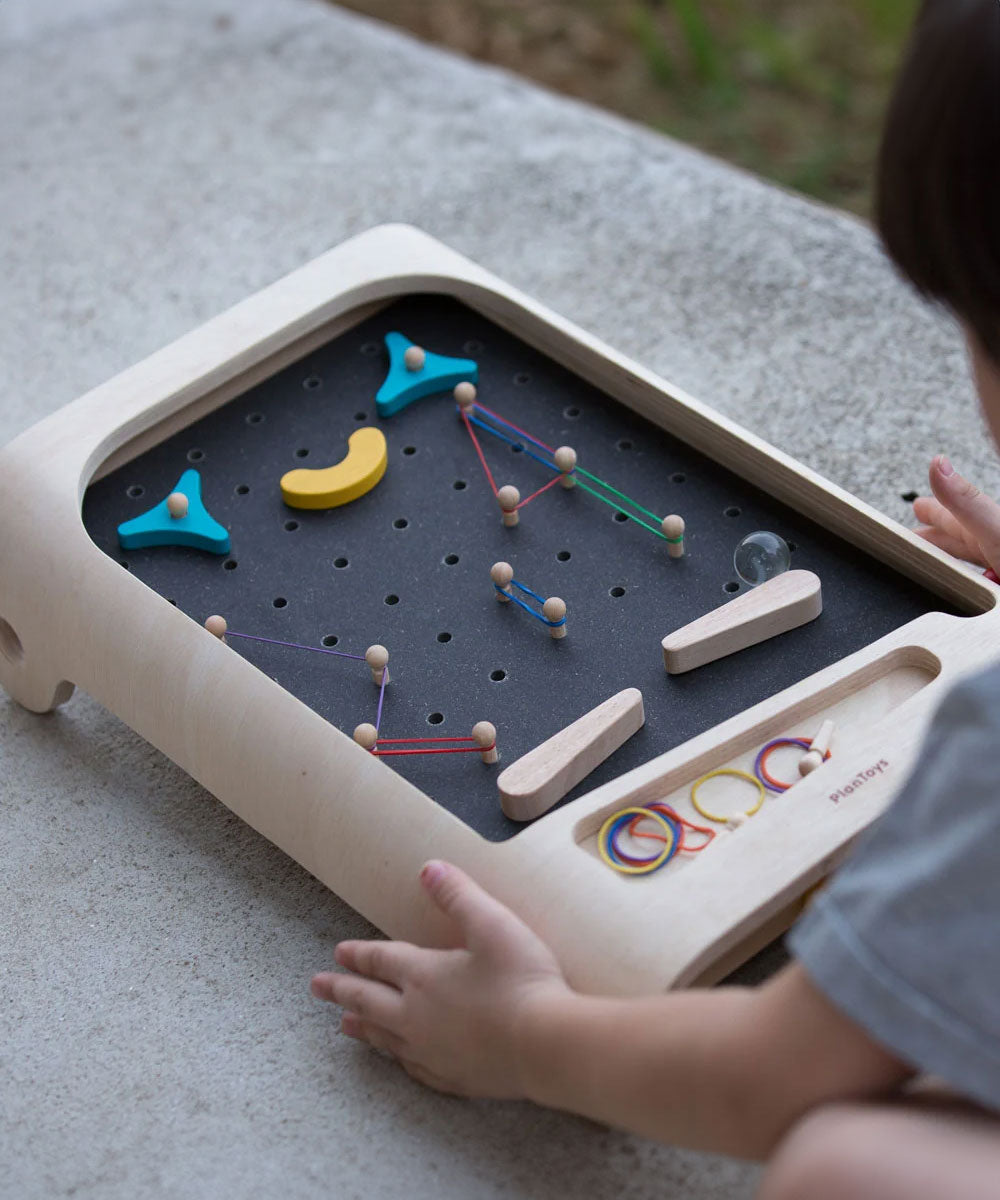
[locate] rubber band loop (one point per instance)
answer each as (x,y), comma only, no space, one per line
(672,814)
(652,864)
(527,607)
(760,765)
(721,820)
(634,860)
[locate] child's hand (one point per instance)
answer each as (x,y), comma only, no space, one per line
(959,519)
(451,1017)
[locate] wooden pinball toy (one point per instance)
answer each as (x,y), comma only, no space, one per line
(399,564)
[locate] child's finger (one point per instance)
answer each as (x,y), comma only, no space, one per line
(475,911)
(978,513)
(945,542)
(389,962)
(932,512)
(352,1026)
(321,986)
(374,1002)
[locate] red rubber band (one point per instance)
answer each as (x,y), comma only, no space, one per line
(511,425)
(551,483)
(682,822)
(479,451)
(444,750)
(778,784)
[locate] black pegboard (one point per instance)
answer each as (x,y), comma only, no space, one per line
(428,534)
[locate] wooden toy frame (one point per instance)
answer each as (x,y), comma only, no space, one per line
(204,706)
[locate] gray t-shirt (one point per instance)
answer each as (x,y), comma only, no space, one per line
(906,937)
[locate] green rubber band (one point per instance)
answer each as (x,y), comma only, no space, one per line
(617,507)
(616,492)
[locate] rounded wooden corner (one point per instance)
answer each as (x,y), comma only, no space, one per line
(37,693)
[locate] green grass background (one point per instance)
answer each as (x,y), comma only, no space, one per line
(794,90)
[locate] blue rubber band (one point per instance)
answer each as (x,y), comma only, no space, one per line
(527,607)
(510,442)
(527,591)
(500,420)
(612,836)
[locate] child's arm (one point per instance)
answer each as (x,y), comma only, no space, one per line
(727,1070)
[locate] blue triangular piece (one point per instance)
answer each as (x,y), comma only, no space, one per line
(158,528)
(402,386)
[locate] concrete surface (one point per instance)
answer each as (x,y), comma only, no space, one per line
(159,162)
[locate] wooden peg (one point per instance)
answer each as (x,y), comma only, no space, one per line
(485,735)
(366,735)
(509,498)
(502,573)
(780,604)
(465,397)
(554,609)
(817,749)
(177,505)
(377,657)
(565,460)
(544,775)
(673,529)
(414,358)
(217,627)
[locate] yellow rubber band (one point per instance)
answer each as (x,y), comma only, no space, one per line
(646,868)
(726,771)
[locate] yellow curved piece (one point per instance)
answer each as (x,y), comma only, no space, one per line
(358,472)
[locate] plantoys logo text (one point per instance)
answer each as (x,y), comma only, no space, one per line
(859,780)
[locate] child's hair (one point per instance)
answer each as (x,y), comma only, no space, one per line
(938,206)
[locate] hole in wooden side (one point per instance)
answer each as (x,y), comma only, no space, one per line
(10,643)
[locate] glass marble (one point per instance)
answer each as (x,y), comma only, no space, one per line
(761,556)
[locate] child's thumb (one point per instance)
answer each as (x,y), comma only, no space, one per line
(978,514)
(474,910)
